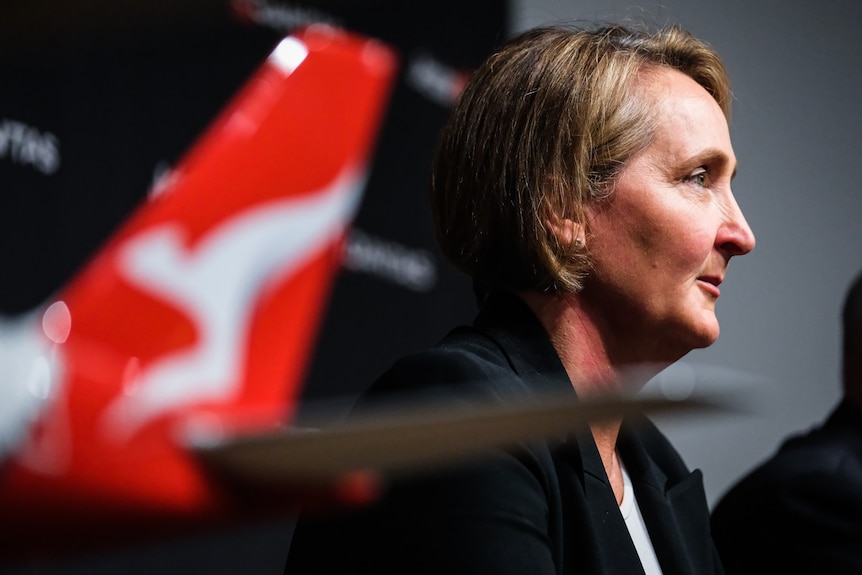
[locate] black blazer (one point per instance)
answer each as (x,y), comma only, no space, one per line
(800,511)
(546,508)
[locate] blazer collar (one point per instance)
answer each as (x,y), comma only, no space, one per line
(512,325)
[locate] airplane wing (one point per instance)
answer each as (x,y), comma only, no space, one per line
(405,439)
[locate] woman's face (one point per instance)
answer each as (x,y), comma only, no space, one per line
(661,244)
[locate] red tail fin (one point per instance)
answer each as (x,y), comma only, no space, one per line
(206,302)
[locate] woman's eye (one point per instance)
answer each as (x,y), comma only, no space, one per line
(700,178)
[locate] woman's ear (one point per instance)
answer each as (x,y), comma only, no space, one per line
(567,231)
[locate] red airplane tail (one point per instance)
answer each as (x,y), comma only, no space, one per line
(199,313)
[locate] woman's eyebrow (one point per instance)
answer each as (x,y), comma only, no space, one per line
(714,156)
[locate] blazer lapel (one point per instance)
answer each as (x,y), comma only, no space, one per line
(672,501)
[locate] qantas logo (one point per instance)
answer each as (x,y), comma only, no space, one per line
(412,268)
(280,17)
(28,146)
(435,80)
(217,283)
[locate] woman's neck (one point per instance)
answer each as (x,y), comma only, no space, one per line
(588,358)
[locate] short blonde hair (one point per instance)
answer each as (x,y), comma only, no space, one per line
(546,123)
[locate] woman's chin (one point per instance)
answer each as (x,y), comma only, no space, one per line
(706,337)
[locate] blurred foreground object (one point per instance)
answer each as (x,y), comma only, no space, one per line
(203,306)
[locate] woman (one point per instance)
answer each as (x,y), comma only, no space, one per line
(583,182)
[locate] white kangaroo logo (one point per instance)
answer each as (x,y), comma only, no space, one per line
(217,284)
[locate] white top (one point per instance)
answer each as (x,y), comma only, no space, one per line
(637,529)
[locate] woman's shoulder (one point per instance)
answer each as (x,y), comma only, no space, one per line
(465,361)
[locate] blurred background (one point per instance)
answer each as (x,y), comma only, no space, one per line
(99,98)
